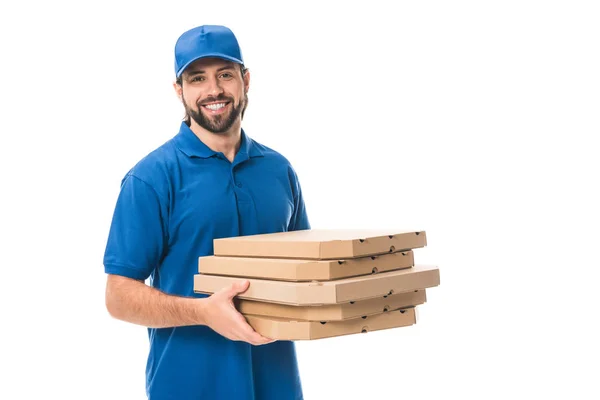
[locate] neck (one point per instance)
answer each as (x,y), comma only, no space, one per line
(227,142)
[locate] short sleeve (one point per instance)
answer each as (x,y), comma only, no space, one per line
(299,220)
(138,235)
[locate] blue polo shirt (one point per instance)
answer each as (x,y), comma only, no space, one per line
(171,206)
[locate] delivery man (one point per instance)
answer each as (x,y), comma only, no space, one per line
(210,180)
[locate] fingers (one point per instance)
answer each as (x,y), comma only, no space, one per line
(230,323)
(256,339)
(237,288)
(248,334)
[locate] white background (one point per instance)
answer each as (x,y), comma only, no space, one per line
(476,121)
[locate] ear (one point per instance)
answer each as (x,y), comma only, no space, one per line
(247,80)
(178,90)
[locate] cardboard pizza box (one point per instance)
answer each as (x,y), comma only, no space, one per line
(303,270)
(333,312)
(283,329)
(320,244)
(326,292)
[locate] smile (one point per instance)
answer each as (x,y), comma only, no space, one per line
(215,106)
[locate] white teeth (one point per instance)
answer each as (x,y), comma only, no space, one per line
(215,107)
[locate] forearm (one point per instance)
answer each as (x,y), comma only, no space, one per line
(134,301)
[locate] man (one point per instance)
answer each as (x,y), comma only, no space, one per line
(209,181)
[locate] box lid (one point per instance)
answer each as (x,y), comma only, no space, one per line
(326,292)
(333,312)
(321,244)
(303,270)
(283,329)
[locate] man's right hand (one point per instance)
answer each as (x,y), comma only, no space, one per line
(221,316)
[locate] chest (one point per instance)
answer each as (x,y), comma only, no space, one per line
(215,200)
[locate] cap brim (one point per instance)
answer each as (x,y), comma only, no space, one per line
(211,55)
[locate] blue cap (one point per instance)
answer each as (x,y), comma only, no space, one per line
(206,41)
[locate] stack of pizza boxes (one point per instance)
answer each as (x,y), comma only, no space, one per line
(317,283)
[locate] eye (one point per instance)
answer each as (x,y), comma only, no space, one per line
(226,75)
(197,78)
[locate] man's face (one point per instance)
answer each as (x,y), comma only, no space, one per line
(213,93)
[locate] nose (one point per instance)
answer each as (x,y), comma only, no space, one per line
(214,87)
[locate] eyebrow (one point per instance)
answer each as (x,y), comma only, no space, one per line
(201,71)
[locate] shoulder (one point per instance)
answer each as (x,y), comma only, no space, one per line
(271,155)
(155,169)
(274,160)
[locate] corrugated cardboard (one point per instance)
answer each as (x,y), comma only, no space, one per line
(326,292)
(303,270)
(282,329)
(333,312)
(320,244)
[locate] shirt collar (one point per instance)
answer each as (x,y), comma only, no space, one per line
(192,146)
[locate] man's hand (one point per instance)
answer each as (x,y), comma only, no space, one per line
(222,317)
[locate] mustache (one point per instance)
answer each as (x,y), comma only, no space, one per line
(221,98)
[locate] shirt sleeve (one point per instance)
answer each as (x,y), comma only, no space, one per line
(138,236)
(299,220)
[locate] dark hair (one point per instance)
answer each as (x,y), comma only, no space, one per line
(179,81)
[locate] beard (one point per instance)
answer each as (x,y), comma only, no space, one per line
(217,123)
